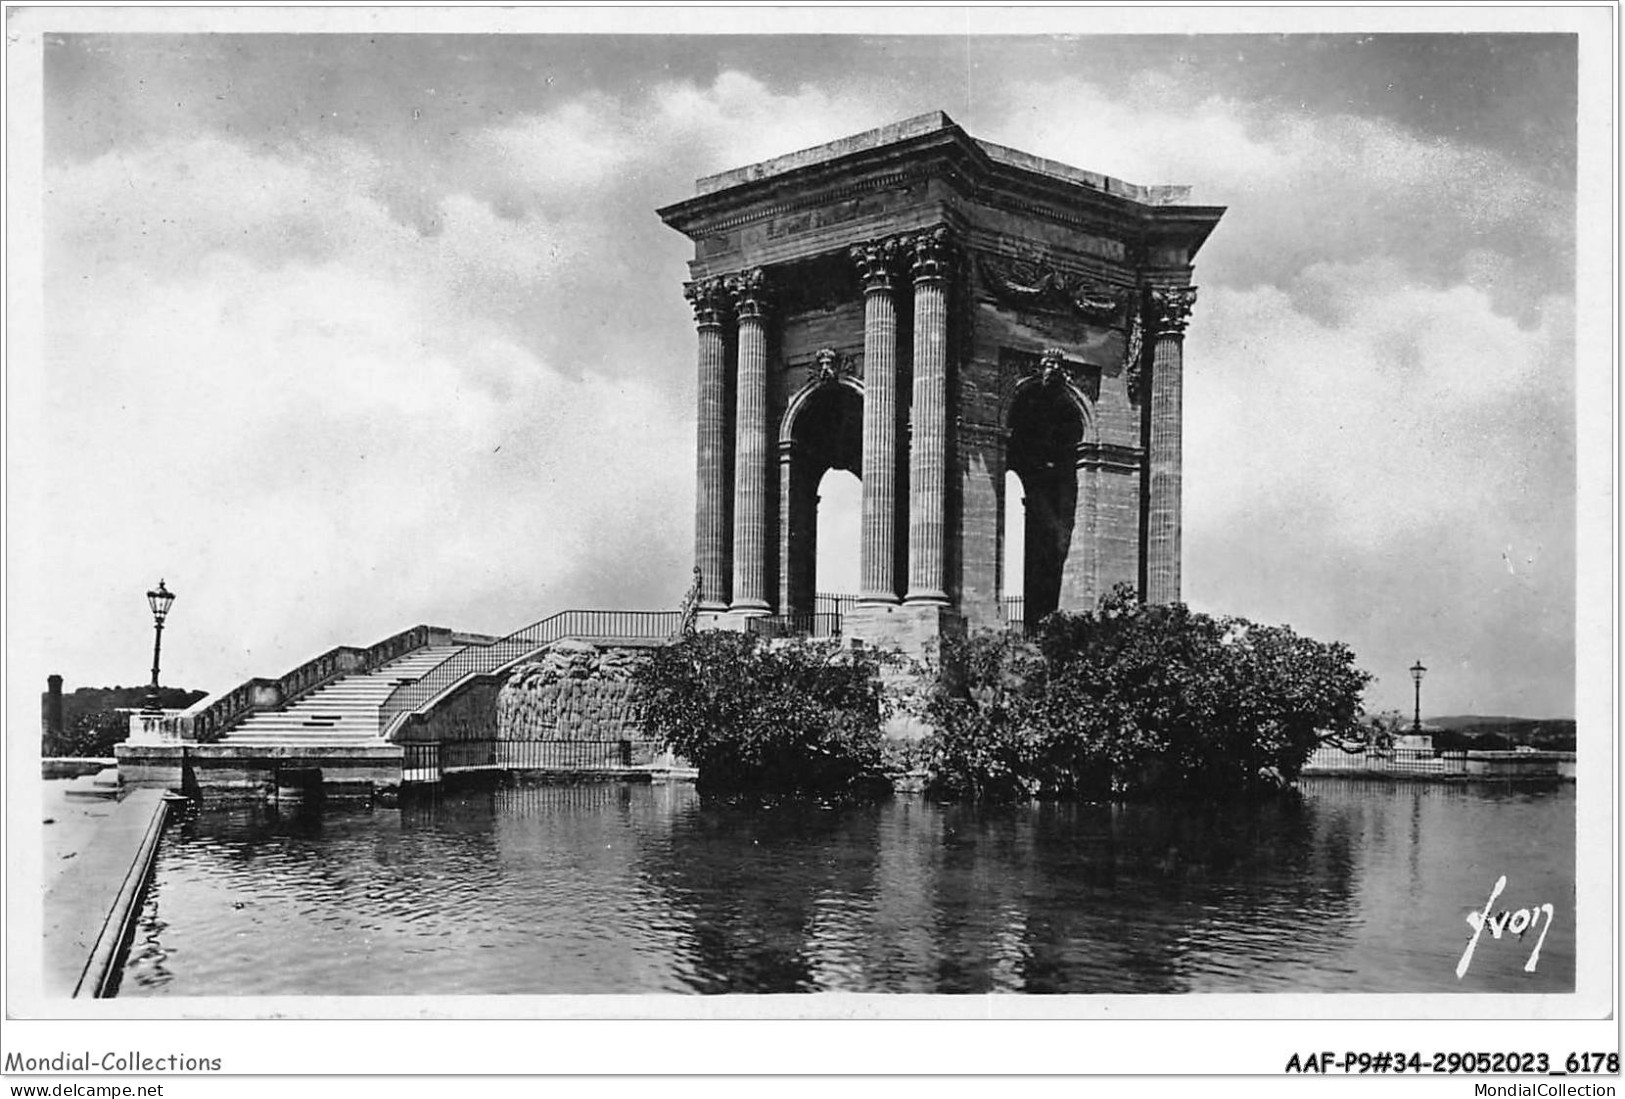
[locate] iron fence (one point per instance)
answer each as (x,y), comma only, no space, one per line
(420,762)
(429,761)
(486,659)
(1013,609)
(1411,761)
(836,603)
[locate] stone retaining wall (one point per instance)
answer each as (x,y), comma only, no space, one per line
(574,691)
(467,714)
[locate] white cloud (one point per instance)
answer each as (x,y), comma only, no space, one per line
(312,428)
(1390,408)
(1302,188)
(325,411)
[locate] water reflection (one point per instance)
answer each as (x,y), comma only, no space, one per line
(609,888)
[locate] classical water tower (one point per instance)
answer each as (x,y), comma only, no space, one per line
(930,311)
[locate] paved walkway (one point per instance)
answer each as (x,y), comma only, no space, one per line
(95,858)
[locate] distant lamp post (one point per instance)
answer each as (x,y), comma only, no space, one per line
(1417,672)
(159,601)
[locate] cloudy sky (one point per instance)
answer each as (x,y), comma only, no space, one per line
(348,332)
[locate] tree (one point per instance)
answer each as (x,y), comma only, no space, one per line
(96,718)
(765,717)
(1138,700)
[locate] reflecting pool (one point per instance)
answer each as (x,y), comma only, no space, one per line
(1356,886)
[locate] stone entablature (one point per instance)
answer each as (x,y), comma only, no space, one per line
(930,310)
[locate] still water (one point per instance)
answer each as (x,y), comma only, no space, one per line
(1354,887)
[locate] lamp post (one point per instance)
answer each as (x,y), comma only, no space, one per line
(159,601)
(1417,672)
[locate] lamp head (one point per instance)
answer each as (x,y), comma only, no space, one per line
(1417,671)
(159,601)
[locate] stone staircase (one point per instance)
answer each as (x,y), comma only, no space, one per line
(342,713)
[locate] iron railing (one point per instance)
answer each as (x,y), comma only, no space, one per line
(1413,761)
(477,660)
(831,602)
(420,762)
(430,761)
(1013,611)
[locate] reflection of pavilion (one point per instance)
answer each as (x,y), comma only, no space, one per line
(930,312)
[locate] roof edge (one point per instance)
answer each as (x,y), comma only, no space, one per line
(918,126)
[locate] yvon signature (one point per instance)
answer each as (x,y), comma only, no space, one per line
(1515,923)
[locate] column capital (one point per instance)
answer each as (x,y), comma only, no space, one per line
(877,262)
(932,254)
(1170,308)
(750,291)
(710,300)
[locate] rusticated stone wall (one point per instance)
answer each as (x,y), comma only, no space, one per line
(574,691)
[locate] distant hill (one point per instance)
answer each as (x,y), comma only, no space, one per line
(1499,734)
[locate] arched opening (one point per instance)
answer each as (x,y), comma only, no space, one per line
(822,455)
(1045,429)
(1013,605)
(840,518)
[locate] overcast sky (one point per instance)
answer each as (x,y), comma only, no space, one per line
(345,333)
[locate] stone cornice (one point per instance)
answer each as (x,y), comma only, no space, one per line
(1110,456)
(780,207)
(934,147)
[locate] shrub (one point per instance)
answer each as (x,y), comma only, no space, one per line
(765,717)
(1136,700)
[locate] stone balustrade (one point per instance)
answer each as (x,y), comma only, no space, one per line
(209,718)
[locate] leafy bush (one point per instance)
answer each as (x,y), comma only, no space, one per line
(765,717)
(1136,700)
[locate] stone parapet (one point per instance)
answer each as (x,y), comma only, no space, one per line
(223,770)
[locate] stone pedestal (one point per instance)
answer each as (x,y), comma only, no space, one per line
(723,620)
(914,629)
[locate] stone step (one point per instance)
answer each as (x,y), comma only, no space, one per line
(296,723)
(98,785)
(277,742)
(264,727)
(346,704)
(301,734)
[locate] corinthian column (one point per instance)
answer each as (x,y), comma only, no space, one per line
(751,451)
(878,542)
(928,448)
(1170,310)
(712,543)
